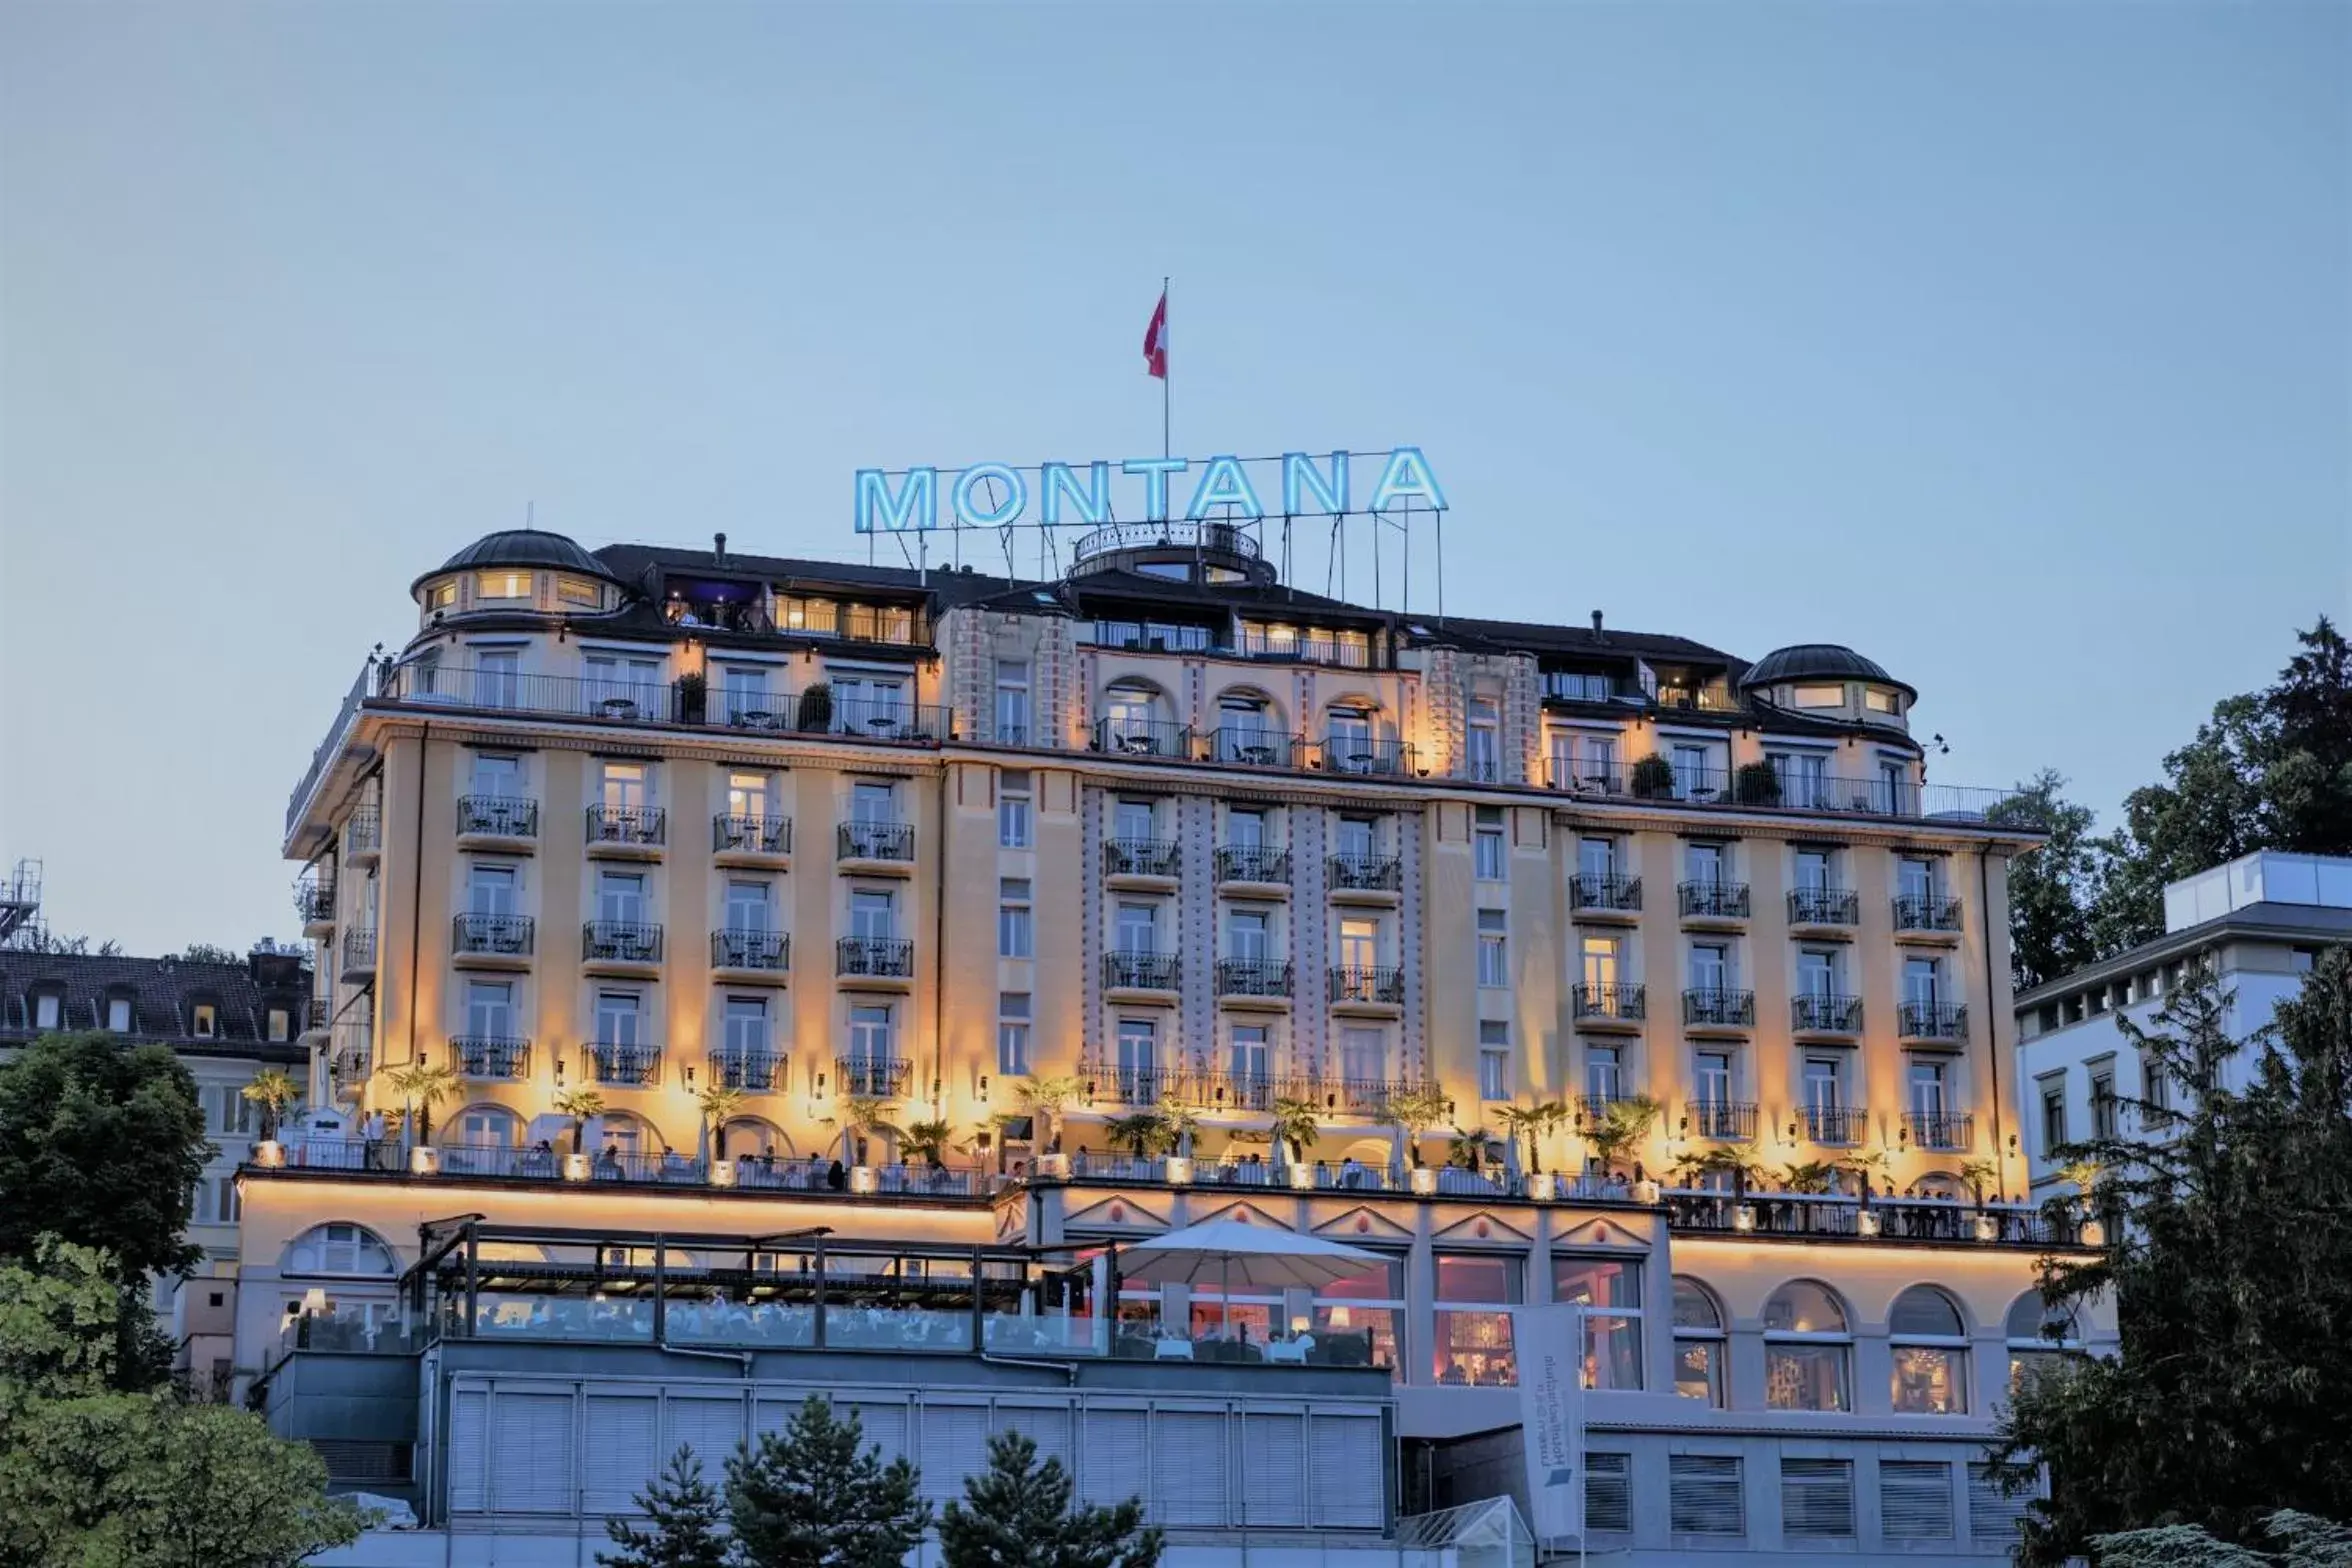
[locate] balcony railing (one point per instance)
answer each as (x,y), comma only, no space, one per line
(1253,863)
(1828,1216)
(1253,977)
(1940,1129)
(1365,757)
(769,950)
(364,833)
(1835,796)
(314,900)
(1108,1083)
(491,1056)
(359,948)
(616,1063)
(353,1054)
(1129,970)
(1142,738)
(508,936)
(1593,1109)
(1824,906)
(881,957)
(1227,1091)
(874,1077)
(1932,1020)
(498,816)
(1141,857)
(621,942)
(763,835)
(1926,912)
(1380,986)
(1720,1007)
(891,721)
(1366,874)
(317,1013)
(747,1069)
(1825,1012)
(1834,1124)
(1593,890)
(627,824)
(1355,1096)
(1714,900)
(875,841)
(1628,1001)
(1254,643)
(1253,748)
(1730,1121)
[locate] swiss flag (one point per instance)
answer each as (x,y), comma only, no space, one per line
(1155,341)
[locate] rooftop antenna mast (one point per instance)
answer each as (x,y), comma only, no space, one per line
(20,900)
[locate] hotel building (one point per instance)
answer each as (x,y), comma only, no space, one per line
(883,850)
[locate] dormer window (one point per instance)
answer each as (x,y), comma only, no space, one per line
(204,1021)
(508,586)
(118,1014)
(281,1024)
(48,1010)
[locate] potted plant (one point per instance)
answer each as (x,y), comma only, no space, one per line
(693,697)
(1145,1134)
(1298,1126)
(1531,1122)
(1756,784)
(1043,1098)
(718,1103)
(1739,1162)
(1466,1148)
(1653,777)
(1810,1177)
(1619,1129)
(582,1104)
(2084,1175)
(1182,1125)
(926,1140)
(273,1091)
(816,709)
(862,1115)
(419,1084)
(1414,1112)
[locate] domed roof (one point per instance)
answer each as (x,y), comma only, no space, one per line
(524,547)
(1809,661)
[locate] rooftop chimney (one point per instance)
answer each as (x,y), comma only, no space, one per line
(1597,632)
(719,552)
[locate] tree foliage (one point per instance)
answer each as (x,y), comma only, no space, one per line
(1019,1513)
(687,1522)
(808,1497)
(2229,1261)
(2053,890)
(2300,1542)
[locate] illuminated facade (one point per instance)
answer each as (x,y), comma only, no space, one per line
(880,851)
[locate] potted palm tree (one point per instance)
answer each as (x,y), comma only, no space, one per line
(816,709)
(1466,1148)
(1044,1097)
(1653,777)
(926,1140)
(1756,784)
(718,1103)
(419,1085)
(1182,1125)
(1620,1129)
(863,1116)
(273,1091)
(1298,1127)
(1739,1162)
(582,1104)
(1145,1134)
(1413,1112)
(1531,1123)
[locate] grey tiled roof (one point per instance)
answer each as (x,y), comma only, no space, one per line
(163,993)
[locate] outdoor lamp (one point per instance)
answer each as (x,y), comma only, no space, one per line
(983,1088)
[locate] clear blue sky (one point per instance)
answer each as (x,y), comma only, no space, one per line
(2006,343)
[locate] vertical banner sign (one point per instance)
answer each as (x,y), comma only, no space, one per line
(1549,1342)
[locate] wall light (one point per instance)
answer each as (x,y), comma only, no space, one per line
(983,1088)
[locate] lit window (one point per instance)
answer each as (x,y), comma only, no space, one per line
(1806,1349)
(441,596)
(1490,854)
(502,585)
(1930,1354)
(206,1022)
(1879,700)
(1472,1329)
(1012,701)
(1821,696)
(1012,1033)
(579,591)
(2040,1338)
(1494,1060)
(1698,1343)
(280,1024)
(1609,1289)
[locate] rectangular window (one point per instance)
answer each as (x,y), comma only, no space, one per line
(1703,864)
(1821,696)
(1817,1498)
(1713,1078)
(490,890)
(1248,1058)
(1824,1091)
(871,802)
(498,776)
(578,591)
(1878,700)
(1014,937)
(206,1021)
(1817,971)
(502,585)
(2103,1117)
(1915,1499)
(869,1037)
(281,1024)
(440,596)
(2155,1083)
(747,1025)
(1915,877)
(620,897)
(1359,943)
(1012,702)
(1012,810)
(744,690)
(2053,1117)
(1356,838)
(1703,1495)
(623,786)
(1608,1492)
(620,1018)
(1604,1073)
(1928,1087)
(45,1012)
(1012,1034)
(1139,927)
(1138,1061)
(1482,750)
(1245,829)
(1132,820)
(1489,850)
(490,1009)
(1710,967)
(1248,936)
(1609,1289)
(1494,967)
(873,915)
(1812,870)
(1494,1060)
(1994,1515)
(1363,1056)
(118,1014)
(747,906)
(1600,969)
(1472,1340)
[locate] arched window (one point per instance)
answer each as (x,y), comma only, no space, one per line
(1133,722)
(1351,738)
(1807,1349)
(2040,1337)
(1938,1184)
(1249,729)
(624,1145)
(1930,1342)
(1698,1342)
(753,1137)
(338,1248)
(477,1139)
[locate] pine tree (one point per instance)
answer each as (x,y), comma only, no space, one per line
(686,1514)
(1018,1514)
(810,1499)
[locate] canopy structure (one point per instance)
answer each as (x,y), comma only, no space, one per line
(1237,1250)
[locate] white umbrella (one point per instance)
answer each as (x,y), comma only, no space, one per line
(1233,1249)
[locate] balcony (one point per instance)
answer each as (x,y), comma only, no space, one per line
(1154,859)
(497,816)
(1352,986)
(1932,1020)
(868,1077)
(1253,748)
(1824,906)
(1828,1217)
(629,827)
(1130,970)
(1142,738)
(359,952)
(352,1055)
(1591,892)
(1836,1125)
(363,835)
(635,1065)
(1610,1003)
(1713,1007)
(1356,874)
(1348,653)
(900,722)
(1726,1121)
(1927,912)
(314,901)
(491,936)
(1364,757)
(762,835)
(1941,1130)
(1713,900)
(1226,1091)
(1350,1096)
(1258,977)
(755,1071)
(491,1056)
(621,942)
(1253,863)
(1825,1012)
(765,952)
(874,958)
(317,1013)
(1107,1083)
(889,843)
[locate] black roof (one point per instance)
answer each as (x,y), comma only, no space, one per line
(163,993)
(1807,661)
(523,547)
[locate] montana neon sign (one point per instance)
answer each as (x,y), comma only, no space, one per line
(1223,489)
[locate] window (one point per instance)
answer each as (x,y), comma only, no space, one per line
(1248,1059)
(2103,1102)
(1472,1326)
(1994,1515)
(1012,810)
(1817,969)
(1494,967)
(2155,1084)
(226,1108)
(1488,845)
(1821,696)
(623,786)
(1817,1498)
(1879,700)
(1482,751)
(747,1026)
(497,776)
(1915,878)
(620,1018)
(1012,1034)
(1915,1499)
(745,690)
(2053,1116)
(1703,864)
(748,905)
(484,1127)
(1824,1090)
(1139,928)
(622,687)
(502,585)
(1365,1308)
(1710,967)
(1604,1072)
(1132,820)
(1806,1349)
(490,1009)
(1930,1099)
(868,704)
(873,916)
(490,890)
(47,1007)
(2300,960)
(1608,1492)
(869,1037)
(338,1249)
(1609,1289)
(2040,1337)
(441,596)
(579,591)
(1363,1055)
(1494,1060)
(1930,1354)
(1698,1343)
(1014,937)
(1690,772)
(204,1021)
(1012,701)
(118,1014)
(620,897)
(281,1024)
(1138,1061)
(871,801)
(1703,1495)
(1248,936)
(1812,870)
(1356,838)
(1245,829)
(1713,1078)
(1600,969)
(1359,943)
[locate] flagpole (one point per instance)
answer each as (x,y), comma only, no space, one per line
(1167,373)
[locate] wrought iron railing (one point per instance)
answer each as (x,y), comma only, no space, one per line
(364,833)
(1365,874)
(1110,1083)
(359,948)
(1725,1120)
(1141,857)
(1926,912)
(1625,1000)
(1142,738)
(768,950)
(627,824)
(878,957)
(1932,1020)
(1718,1006)
(1254,643)
(1253,977)
(1380,986)
(875,841)
(1825,1012)
(505,935)
(612,1061)
(874,1077)
(621,941)
(1834,1124)
(747,1069)
(1595,890)
(1714,900)
(1252,748)
(1253,863)
(1365,757)
(1940,1129)
(762,835)
(1131,970)
(498,816)
(1824,906)
(491,1055)
(314,899)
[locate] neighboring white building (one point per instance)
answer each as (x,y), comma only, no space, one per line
(2260,920)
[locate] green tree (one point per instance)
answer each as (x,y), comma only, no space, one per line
(1019,1513)
(2229,1261)
(1147,1133)
(1530,1123)
(206,953)
(581,1103)
(1620,1129)
(2301,1542)
(273,1091)
(2053,892)
(809,1498)
(419,1084)
(686,1513)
